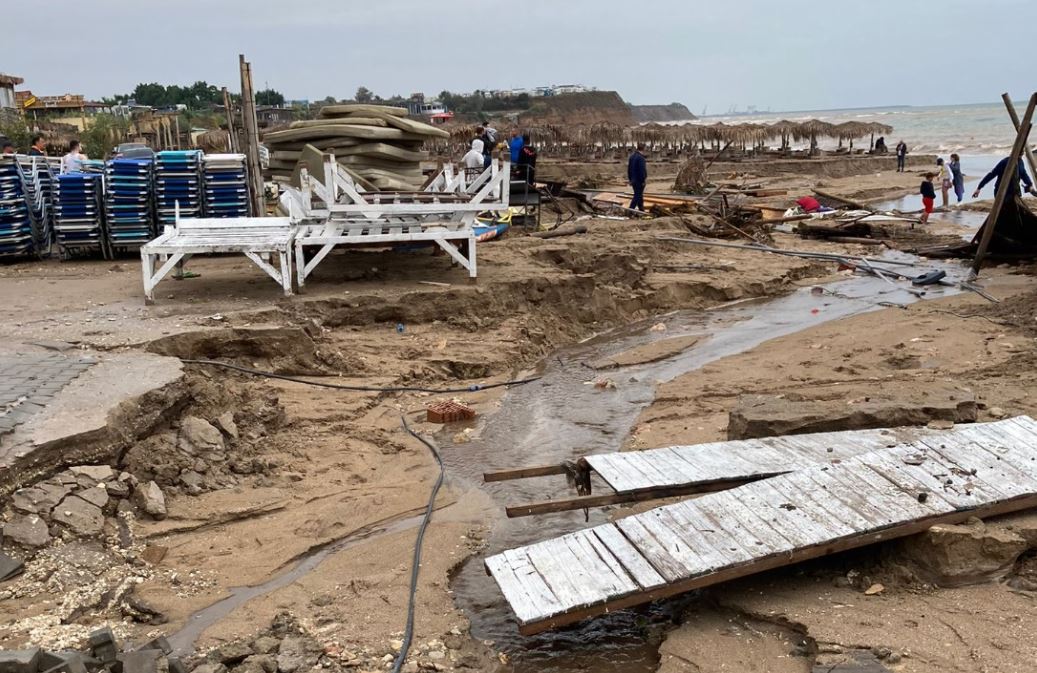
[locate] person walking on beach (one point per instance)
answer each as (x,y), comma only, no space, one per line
(473,161)
(943,177)
(928,197)
(901,156)
(1013,186)
(957,177)
(637,176)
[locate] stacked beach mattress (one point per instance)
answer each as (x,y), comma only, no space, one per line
(380,146)
(78,213)
(178,181)
(225,182)
(128,202)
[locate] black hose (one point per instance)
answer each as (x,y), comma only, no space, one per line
(475,387)
(408,631)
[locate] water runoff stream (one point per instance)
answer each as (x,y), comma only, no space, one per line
(561,418)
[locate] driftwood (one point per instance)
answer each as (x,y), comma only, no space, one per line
(561,231)
(856,205)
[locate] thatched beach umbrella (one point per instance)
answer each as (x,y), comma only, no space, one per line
(812,129)
(784,129)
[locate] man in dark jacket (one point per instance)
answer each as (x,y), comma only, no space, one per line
(637,176)
(1013,186)
(38,147)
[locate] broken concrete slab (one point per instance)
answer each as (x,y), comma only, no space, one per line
(19,661)
(770,415)
(80,516)
(225,422)
(28,530)
(9,567)
(96,495)
(198,436)
(62,662)
(103,645)
(98,473)
(39,499)
(112,401)
(141,661)
(958,555)
(149,497)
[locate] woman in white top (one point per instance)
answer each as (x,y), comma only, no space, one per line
(73,161)
(945,178)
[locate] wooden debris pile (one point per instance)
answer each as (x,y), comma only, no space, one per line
(379,145)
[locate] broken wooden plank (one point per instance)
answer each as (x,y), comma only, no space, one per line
(817,510)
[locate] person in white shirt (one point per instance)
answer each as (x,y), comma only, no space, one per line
(73,161)
(473,161)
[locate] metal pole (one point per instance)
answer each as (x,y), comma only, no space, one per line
(1009,176)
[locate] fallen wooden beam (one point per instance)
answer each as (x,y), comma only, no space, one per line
(842,199)
(561,231)
(524,473)
(604,500)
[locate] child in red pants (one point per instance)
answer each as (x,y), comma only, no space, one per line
(928,196)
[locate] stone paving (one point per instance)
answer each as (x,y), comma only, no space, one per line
(29,382)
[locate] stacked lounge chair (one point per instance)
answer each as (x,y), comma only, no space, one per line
(16,230)
(178,182)
(225,181)
(79,214)
(128,203)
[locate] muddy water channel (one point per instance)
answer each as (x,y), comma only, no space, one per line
(562,417)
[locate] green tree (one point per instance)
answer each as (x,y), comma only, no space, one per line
(15,130)
(269,97)
(104,133)
(364,95)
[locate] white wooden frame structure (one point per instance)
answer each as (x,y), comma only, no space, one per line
(258,238)
(444,213)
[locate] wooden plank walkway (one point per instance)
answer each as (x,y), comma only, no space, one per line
(633,471)
(816,510)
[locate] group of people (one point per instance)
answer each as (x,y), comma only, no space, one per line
(950,176)
(71,162)
(520,149)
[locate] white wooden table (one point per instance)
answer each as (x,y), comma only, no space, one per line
(258,238)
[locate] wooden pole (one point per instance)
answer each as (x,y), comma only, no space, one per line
(232,136)
(1015,122)
(251,126)
(176,120)
(1007,178)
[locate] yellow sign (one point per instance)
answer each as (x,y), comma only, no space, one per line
(29,101)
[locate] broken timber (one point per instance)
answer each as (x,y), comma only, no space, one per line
(636,476)
(817,510)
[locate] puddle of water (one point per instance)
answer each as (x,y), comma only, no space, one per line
(183,641)
(561,418)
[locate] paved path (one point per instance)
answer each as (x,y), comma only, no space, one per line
(29,382)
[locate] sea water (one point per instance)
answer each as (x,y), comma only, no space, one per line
(981,133)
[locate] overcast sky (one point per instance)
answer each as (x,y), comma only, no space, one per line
(778,54)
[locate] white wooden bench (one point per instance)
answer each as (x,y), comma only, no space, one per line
(336,211)
(258,238)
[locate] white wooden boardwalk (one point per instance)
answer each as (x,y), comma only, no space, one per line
(818,509)
(633,471)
